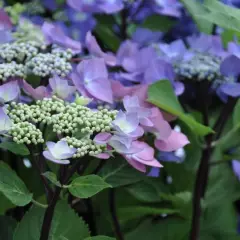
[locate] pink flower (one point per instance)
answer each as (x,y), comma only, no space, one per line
(140,159)
(36,93)
(175,141)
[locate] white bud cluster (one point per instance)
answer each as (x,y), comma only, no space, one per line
(202,67)
(77,117)
(19,112)
(26,132)
(18,51)
(47,64)
(78,124)
(62,53)
(85,146)
(11,70)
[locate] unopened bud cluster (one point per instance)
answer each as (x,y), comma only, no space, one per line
(85,146)
(202,67)
(47,64)
(19,59)
(19,52)
(11,70)
(26,132)
(77,124)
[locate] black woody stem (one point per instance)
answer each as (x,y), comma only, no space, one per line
(204,167)
(116,224)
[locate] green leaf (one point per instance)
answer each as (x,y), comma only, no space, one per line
(65,224)
(196,9)
(7,226)
(236,113)
(158,23)
(100,238)
(222,15)
(87,186)
(30,226)
(18,149)
(60,229)
(162,95)
(136,212)
(13,187)
(107,36)
(5,204)
(117,172)
(52,178)
(229,36)
(148,190)
(169,228)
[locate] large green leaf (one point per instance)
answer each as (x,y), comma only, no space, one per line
(162,95)
(7,226)
(87,186)
(136,212)
(100,238)
(5,204)
(30,226)
(169,228)
(148,190)
(236,113)
(196,9)
(13,187)
(18,149)
(65,224)
(158,23)
(117,172)
(220,14)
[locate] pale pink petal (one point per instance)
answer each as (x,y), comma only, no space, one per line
(103,156)
(175,141)
(102,138)
(137,165)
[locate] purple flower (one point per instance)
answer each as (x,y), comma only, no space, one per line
(230,67)
(127,124)
(96,51)
(144,36)
(60,87)
(236,168)
(84,5)
(234,49)
(175,51)
(80,23)
(5,122)
(110,6)
(144,157)
(159,70)
(54,34)
(5,21)
(9,91)
(59,152)
(91,76)
(207,43)
(96,6)
(123,144)
(167,7)
(132,105)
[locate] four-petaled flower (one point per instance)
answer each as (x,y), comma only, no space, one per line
(59,152)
